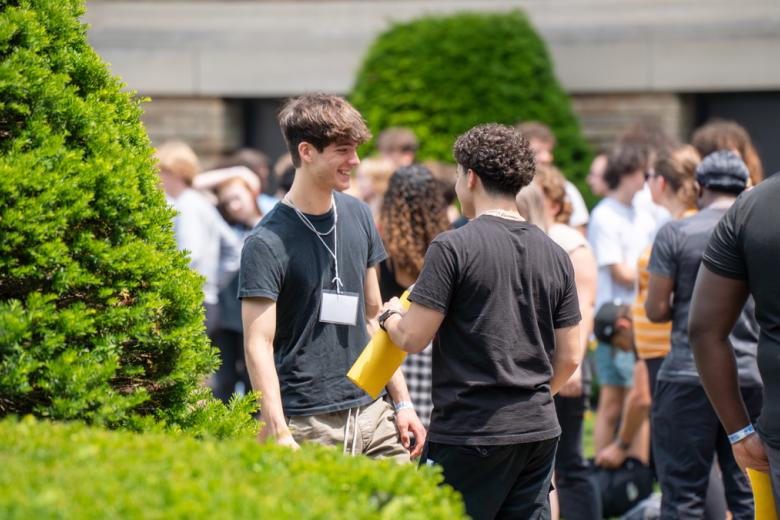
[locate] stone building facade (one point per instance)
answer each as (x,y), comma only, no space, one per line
(217,70)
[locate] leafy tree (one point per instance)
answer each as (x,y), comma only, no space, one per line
(440,76)
(101,318)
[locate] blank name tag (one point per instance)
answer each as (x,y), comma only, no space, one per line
(340,308)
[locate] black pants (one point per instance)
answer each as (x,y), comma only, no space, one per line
(498,481)
(233,367)
(687,435)
(578,495)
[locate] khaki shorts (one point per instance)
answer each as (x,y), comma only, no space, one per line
(376,434)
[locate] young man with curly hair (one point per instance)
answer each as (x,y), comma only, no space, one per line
(500,298)
(308,284)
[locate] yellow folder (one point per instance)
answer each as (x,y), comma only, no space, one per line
(378,361)
(762,495)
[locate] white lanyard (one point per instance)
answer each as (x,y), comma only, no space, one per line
(333,252)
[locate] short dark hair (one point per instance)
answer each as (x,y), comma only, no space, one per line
(320,119)
(624,160)
(499,155)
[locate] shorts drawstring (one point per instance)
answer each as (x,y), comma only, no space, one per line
(354,429)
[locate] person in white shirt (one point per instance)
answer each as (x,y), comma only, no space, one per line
(214,249)
(618,232)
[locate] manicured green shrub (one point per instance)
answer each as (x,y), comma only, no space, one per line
(68,471)
(442,75)
(100,316)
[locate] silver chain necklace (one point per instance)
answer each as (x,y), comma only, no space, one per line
(333,252)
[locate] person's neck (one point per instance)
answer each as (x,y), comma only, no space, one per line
(675,207)
(253,220)
(496,204)
(308,197)
(711,199)
(174,191)
(624,194)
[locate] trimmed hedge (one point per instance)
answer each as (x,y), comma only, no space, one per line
(440,76)
(69,471)
(101,318)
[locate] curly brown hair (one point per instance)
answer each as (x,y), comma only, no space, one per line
(499,155)
(413,213)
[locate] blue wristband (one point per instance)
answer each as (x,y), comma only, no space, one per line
(741,434)
(403,405)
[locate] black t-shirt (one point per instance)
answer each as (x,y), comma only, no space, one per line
(746,246)
(677,253)
(284,260)
(504,287)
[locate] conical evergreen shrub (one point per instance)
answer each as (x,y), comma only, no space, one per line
(441,75)
(100,315)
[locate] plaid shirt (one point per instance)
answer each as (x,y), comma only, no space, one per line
(417,371)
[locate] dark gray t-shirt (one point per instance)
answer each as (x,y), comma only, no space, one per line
(677,253)
(504,287)
(746,246)
(284,260)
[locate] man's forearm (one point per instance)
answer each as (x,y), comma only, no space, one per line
(562,371)
(567,356)
(718,370)
(397,388)
(623,274)
(637,405)
(715,307)
(262,373)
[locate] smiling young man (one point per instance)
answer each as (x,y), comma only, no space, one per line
(499,296)
(308,286)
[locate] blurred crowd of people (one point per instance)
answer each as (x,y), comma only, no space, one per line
(635,258)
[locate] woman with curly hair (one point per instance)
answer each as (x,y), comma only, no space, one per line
(413,212)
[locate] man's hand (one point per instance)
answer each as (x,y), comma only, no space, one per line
(407,422)
(611,457)
(573,387)
(288,441)
(393,304)
(281,435)
(749,453)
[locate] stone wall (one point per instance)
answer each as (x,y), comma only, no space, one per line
(212,126)
(605,116)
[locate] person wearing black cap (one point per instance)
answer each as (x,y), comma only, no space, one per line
(686,431)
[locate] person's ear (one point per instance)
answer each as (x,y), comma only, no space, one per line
(306,151)
(471,179)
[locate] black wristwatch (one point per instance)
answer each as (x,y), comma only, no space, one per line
(383,317)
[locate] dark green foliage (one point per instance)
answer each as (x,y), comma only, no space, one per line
(100,316)
(68,471)
(442,75)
